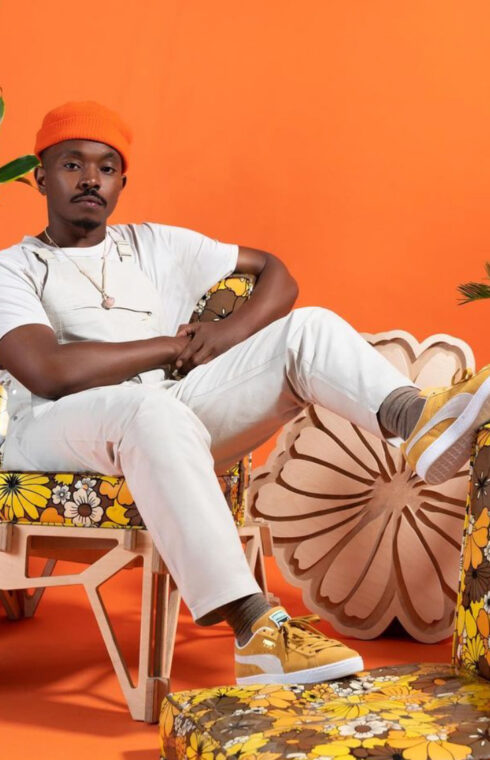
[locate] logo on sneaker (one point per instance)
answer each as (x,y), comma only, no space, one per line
(451,410)
(279,617)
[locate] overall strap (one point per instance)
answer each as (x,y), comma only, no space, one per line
(44,254)
(124,249)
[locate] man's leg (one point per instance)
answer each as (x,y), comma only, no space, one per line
(310,356)
(162,448)
(314,356)
(245,395)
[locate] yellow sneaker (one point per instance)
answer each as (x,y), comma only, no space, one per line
(283,649)
(440,443)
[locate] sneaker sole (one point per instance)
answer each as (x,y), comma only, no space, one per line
(443,458)
(312,675)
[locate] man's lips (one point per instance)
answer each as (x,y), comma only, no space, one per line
(89,200)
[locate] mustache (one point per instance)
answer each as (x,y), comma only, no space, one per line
(89,194)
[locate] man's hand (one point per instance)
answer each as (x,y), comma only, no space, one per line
(207,340)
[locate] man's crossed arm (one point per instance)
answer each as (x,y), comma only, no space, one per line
(32,354)
(273,296)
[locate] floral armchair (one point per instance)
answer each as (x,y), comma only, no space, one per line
(91,518)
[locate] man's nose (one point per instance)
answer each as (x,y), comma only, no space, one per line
(89,179)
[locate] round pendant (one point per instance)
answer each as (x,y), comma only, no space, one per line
(108,302)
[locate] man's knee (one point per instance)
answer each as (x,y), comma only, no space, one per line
(315,316)
(156,416)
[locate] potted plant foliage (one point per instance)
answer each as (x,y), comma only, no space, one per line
(13,171)
(473,291)
(16,170)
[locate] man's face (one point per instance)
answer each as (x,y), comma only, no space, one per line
(82,180)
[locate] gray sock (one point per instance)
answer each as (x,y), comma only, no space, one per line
(400,411)
(240,614)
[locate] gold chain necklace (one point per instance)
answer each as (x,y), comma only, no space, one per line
(107,300)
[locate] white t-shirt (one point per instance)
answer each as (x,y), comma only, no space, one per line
(182,264)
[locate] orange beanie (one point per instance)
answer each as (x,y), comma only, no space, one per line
(84,121)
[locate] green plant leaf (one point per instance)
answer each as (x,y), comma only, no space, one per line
(25,180)
(473,291)
(2,106)
(487,267)
(17,168)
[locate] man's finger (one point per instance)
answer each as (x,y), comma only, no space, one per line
(187,354)
(202,356)
(188,329)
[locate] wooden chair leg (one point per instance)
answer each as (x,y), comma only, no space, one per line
(159,615)
(12,604)
(166,614)
(257,543)
(30,600)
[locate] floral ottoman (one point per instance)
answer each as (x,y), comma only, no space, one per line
(417,712)
(404,712)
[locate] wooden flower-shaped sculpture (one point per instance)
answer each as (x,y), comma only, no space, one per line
(362,535)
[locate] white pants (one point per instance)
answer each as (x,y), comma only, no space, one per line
(168,439)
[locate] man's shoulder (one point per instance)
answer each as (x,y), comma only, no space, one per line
(15,255)
(166,233)
(163,241)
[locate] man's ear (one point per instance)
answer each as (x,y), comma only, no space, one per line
(124,180)
(40,177)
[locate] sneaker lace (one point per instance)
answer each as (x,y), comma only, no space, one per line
(299,632)
(462,375)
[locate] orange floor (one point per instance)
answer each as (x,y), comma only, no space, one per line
(59,697)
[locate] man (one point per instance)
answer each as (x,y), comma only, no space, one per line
(89,329)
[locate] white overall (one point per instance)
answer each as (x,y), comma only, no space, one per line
(168,437)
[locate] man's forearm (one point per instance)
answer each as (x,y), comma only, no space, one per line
(88,364)
(273,297)
(49,369)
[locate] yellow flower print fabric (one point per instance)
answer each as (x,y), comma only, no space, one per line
(97,501)
(405,712)
(471,645)
(224,298)
(88,500)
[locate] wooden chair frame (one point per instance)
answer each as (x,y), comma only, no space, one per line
(107,552)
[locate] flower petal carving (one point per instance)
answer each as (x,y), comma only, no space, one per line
(366,539)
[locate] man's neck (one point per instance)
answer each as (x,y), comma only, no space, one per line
(72,236)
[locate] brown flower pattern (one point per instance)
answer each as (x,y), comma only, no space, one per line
(392,719)
(471,643)
(403,712)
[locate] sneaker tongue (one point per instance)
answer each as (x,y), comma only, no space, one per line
(279,617)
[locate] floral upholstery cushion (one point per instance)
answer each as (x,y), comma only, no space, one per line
(89,500)
(405,712)
(471,643)
(101,501)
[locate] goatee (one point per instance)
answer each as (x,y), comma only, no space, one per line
(87,224)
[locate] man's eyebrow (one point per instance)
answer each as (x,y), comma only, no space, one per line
(79,154)
(76,153)
(110,154)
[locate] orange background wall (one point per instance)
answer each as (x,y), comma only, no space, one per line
(350,137)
